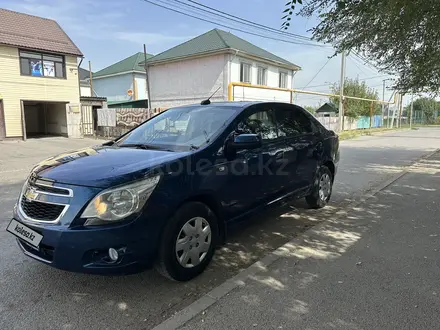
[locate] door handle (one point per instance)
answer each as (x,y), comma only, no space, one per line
(318,149)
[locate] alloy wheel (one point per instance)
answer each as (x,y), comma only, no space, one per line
(324,186)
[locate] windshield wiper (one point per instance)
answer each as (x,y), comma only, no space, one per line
(109,143)
(206,136)
(193,147)
(142,146)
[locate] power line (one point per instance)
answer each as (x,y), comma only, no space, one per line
(363,79)
(315,98)
(232,28)
(318,85)
(365,65)
(243,21)
(308,96)
(319,71)
(355,63)
(240,20)
(251,22)
(365,61)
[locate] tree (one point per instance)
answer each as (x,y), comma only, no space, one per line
(356,108)
(400,37)
(311,109)
(428,106)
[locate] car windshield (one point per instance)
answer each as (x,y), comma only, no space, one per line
(184,127)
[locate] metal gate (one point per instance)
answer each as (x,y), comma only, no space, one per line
(87,120)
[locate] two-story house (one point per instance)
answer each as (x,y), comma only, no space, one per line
(192,71)
(39,85)
(123,81)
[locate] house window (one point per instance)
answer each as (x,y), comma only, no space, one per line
(245,73)
(261,76)
(283,80)
(42,65)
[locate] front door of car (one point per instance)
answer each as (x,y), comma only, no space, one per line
(303,146)
(252,173)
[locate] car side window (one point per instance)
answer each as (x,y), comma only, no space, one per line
(292,122)
(262,123)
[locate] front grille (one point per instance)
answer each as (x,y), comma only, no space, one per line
(52,190)
(41,211)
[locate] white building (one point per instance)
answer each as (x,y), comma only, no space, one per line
(192,71)
(123,81)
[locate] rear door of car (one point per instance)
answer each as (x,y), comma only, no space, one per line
(303,146)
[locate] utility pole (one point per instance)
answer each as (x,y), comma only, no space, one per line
(371,114)
(91,78)
(411,111)
(341,93)
(383,104)
(400,111)
(147,81)
(388,116)
(388,106)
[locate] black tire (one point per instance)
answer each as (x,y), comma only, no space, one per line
(167,263)
(314,200)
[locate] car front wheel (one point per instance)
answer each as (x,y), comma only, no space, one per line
(188,242)
(322,189)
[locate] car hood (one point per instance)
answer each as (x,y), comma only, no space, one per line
(102,166)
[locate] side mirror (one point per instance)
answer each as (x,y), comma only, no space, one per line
(246,141)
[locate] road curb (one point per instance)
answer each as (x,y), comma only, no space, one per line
(210,298)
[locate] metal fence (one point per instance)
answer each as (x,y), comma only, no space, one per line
(332,123)
(126,119)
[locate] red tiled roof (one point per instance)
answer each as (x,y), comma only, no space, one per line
(34,32)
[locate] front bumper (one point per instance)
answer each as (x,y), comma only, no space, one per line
(86,250)
(69,245)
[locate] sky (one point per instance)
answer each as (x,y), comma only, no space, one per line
(108,31)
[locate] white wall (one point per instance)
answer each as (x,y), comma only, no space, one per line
(251,94)
(188,81)
(114,88)
(85,91)
(141,86)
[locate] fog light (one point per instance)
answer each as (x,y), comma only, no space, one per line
(113,254)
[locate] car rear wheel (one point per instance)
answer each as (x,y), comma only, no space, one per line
(188,242)
(322,189)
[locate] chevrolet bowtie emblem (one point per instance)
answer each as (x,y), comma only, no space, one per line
(31,194)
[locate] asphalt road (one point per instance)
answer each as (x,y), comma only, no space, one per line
(36,296)
(375,269)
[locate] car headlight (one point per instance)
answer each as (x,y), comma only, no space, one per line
(117,203)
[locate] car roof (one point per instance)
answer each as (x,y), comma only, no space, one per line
(232,104)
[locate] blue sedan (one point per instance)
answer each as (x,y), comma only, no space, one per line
(165,193)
